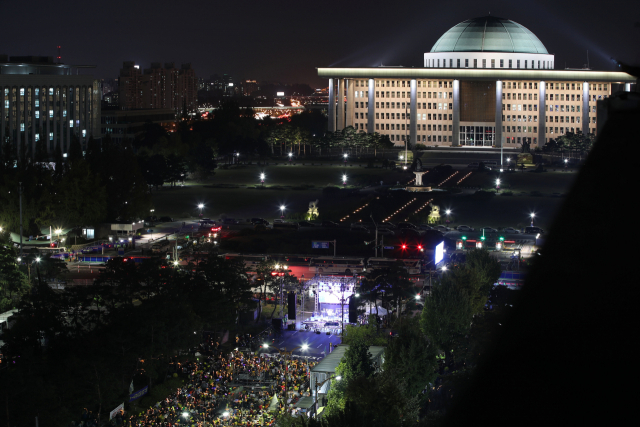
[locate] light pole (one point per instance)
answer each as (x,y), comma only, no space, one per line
(201,206)
(532,215)
(498,185)
(282,207)
(58,231)
(345,159)
(262,178)
(448,212)
(290,156)
(344,180)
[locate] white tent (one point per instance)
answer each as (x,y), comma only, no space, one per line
(372,310)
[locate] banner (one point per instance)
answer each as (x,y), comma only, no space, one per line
(113,413)
(138,394)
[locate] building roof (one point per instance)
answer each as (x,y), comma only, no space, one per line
(489,34)
(489,74)
(331,362)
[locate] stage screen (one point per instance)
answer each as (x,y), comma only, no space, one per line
(330,294)
(439,252)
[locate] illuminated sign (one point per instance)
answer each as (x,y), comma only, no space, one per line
(230,84)
(279,93)
(320,245)
(439,252)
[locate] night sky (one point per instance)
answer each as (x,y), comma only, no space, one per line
(285,41)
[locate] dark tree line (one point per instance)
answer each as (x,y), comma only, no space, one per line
(82,347)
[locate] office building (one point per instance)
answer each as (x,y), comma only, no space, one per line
(45,101)
(487,81)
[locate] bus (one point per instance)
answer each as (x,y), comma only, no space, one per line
(413,266)
(336,265)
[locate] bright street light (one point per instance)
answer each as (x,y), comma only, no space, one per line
(282,207)
(265,345)
(532,216)
(262,178)
(185,414)
(338,377)
(444,268)
(448,211)
(417,296)
(305,346)
(225,414)
(38,259)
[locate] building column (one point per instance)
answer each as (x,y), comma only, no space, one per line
(371,106)
(69,117)
(627,87)
(11,118)
(350,101)
(3,114)
(456,113)
(19,116)
(498,142)
(413,111)
(341,104)
(585,108)
(332,108)
(33,127)
(542,113)
(48,106)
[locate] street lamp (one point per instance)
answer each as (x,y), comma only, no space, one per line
(282,207)
(532,215)
(290,156)
(344,180)
(498,185)
(201,206)
(262,178)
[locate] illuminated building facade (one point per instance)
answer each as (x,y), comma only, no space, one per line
(41,101)
(487,81)
(157,87)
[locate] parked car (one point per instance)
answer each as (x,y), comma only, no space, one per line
(166,219)
(442,228)
(385,231)
(533,230)
(425,227)
(326,223)
(489,230)
(306,224)
(259,221)
(410,232)
(511,230)
(407,225)
(228,221)
(279,221)
(387,224)
(359,227)
(465,228)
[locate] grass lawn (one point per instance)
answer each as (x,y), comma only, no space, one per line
(232,191)
(502,211)
(546,183)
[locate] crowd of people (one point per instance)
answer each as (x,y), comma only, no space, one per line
(235,389)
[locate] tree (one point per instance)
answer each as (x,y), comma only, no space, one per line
(446,315)
(13,283)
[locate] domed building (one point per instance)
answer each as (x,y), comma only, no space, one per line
(487,82)
(489,42)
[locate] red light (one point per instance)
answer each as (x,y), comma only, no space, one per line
(53,245)
(124,260)
(404,246)
(274,273)
(419,246)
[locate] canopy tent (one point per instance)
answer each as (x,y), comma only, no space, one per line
(372,310)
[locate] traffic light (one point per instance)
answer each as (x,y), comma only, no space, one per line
(502,238)
(464,237)
(404,247)
(482,238)
(186,237)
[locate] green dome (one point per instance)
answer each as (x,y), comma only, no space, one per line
(489,34)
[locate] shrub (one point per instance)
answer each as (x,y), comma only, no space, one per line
(331,191)
(421,146)
(536,194)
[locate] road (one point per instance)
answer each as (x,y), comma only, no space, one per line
(288,340)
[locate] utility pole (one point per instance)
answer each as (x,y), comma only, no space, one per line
(376,225)
(20,196)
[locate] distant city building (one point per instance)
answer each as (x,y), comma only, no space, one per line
(126,125)
(157,87)
(249,87)
(45,101)
(487,81)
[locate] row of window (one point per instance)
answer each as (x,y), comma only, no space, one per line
(474,63)
(520,129)
(430,128)
(520,118)
(407,83)
(398,116)
(521,96)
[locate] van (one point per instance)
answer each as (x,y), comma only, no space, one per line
(473,165)
(533,230)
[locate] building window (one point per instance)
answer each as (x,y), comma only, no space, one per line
(466,63)
(510,62)
(451,63)
(502,63)
(475,63)
(484,63)
(458,62)
(50,136)
(37,114)
(50,113)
